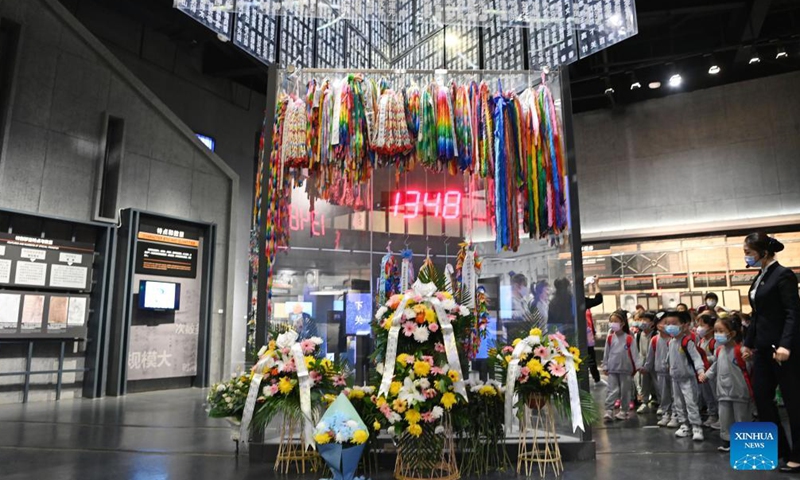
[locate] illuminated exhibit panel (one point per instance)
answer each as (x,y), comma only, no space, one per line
(662,273)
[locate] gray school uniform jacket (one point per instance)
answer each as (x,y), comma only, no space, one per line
(616,357)
(679,366)
(658,360)
(731,385)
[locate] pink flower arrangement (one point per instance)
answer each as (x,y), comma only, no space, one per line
(433,327)
(437,371)
(308,347)
(409,328)
(427,417)
(430,393)
(557,369)
(290,366)
(439,347)
(315,376)
(339,381)
(428,358)
(273,389)
(542,352)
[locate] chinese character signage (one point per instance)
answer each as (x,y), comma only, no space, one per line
(358,312)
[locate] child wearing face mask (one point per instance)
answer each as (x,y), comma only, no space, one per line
(731,376)
(657,365)
(644,383)
(706,341)
(620,362)
(685,365)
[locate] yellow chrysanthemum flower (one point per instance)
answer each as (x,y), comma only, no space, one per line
(415,430)
(381,401)
(430,315)
(487,391)
(516,342)
(356,394)
(448,400)
(453,375)
(285,385)
(387,324)
(329,398)
(535,366)
(560,359)
(508,359)
(536,332)
(402,359)
(419,308)
(271,346)
(399,406)
(326,364)
(394,388)
(413,416)
(310,361)
(322,438)
(377,426)
(575,352)
(360,436)
(422,369)
(447,295)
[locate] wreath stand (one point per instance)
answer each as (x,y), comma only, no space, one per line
(430,456)
(291,449)
(544,450)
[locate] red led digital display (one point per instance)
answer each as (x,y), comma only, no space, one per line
(413,203)
(299,219)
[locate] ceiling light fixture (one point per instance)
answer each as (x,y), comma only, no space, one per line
(675,80)
(713,66)
(754,58)
(609,89)
(635,85)
(654,85)
(781,53)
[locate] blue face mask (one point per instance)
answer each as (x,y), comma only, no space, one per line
(721,338)
(672,330)
(751,261)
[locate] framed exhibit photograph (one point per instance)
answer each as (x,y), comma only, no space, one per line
(9,312)
(32,313)
(57,314)
(76,314)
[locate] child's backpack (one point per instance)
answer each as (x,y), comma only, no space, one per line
(628,342)
(703,355)
(738,359)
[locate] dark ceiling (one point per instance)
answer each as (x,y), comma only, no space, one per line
(675,37)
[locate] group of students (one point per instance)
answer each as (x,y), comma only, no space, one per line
(680,361)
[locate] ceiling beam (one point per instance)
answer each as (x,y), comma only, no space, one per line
(752,26)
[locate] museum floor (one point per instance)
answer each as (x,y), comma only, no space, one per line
(166,435)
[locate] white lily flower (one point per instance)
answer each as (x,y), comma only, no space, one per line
(381,312)
(287,339)
(409,393)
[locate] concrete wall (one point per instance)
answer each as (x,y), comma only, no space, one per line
(725,154)
(218,107)
(67,81)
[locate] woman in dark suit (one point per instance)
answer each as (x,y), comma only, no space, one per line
(773,341)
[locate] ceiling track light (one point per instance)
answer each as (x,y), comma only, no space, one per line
(754,57)
(713,66)
(675,80)
(609,89)
(635,85)
(781,53)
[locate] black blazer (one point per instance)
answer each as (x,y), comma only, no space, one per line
(776,312)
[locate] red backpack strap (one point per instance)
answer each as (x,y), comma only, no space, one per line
(737,355)
(712,344)
(628,343)
(700,351)
(654,343)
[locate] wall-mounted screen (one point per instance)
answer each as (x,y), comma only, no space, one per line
(159,295)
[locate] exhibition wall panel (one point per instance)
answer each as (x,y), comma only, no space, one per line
(66,85)
(688,161)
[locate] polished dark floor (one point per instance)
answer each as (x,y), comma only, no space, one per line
(166,435)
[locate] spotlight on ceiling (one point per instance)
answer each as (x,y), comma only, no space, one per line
(609,89)
(754,57)
(713,66)
(675,80)
(635,85)
(654,85)
(781,53)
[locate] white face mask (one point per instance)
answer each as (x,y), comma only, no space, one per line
(711,303)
